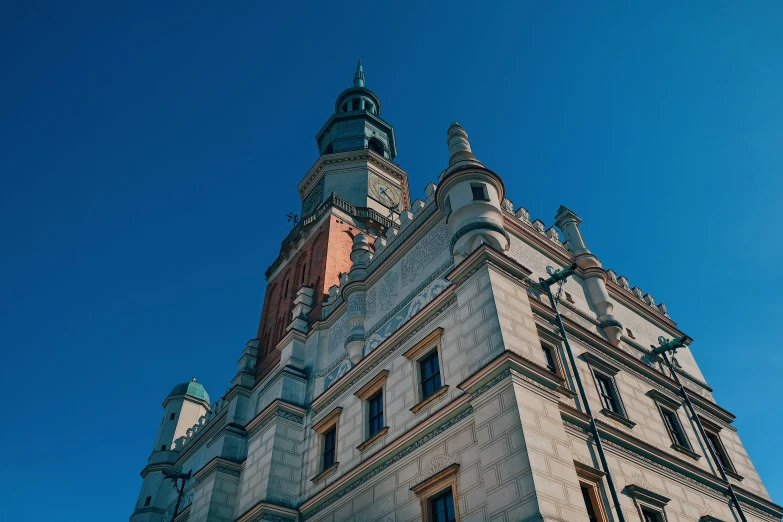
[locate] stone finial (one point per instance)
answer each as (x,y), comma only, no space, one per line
(523,215)
(358,77)
(334,291)
(611,274)
(623,281)
(662,308)
(649,299)
(429,191)
(459,146)
(569,222)
(417,206)
(405,219)
(637,292)
(380,244)
(361,252)
(507,205)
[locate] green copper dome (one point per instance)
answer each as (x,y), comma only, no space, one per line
(192,388)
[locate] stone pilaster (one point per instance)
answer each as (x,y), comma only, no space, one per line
(273,467)
(216,493)
(525,456)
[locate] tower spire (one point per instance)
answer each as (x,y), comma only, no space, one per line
(358,77)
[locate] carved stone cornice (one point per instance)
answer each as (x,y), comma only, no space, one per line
(269,511)
(220,465)
(486,255)
(533,373)
(541,242)
(387,167)
(382,351)
(277,406)
(648,312)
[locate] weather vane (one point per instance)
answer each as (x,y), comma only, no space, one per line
(392,209)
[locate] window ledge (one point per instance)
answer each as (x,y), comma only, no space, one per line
(325,473)
(734,475)
(686,451)
(437,394)
(372,440)
(619,418)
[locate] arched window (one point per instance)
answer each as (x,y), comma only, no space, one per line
(355,104)
(329,149)
(345,107)
(304,272)
(285,292)
(376,146)
(369,106)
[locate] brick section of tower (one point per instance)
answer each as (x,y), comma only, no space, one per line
(319,262)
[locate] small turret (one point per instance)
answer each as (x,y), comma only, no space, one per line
(182,409)
(470,195)
(593,274)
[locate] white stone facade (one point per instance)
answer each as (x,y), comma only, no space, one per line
(509,438)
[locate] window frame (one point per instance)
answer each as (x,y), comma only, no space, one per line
(441,497)
(374,387)
(648,500)
(436,485)
(590,478)
(710,428)
(329,450)
(330,422)
(484,192)
(429,345)
(433,378)
(665,404)
(375,421)
(599,367)
(556,369)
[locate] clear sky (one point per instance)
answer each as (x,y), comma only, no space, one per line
(149,153)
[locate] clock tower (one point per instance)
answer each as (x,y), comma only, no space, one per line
(357,149)
(353,187)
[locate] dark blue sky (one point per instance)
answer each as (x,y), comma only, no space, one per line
(149,153)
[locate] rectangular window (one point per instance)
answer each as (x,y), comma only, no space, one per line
(326,429)
(147,501)
(650,516)
(607,393)
(442,507)
(163,448)
(717,447)
(375,416)
(430,375)
(587,496)
(172,416)
(479,192)
(550,358)
(674,428)
(330,439)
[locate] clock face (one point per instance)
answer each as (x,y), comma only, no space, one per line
(384,191)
